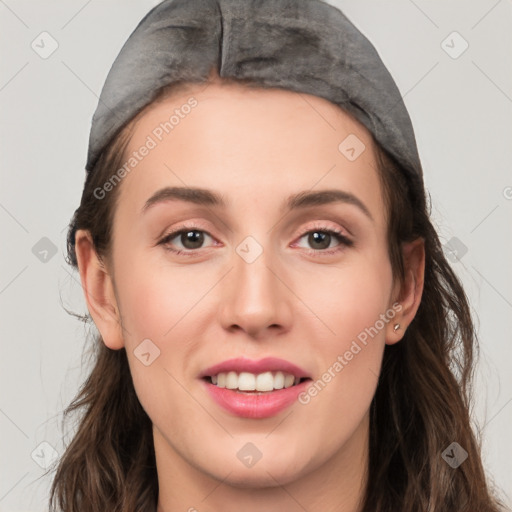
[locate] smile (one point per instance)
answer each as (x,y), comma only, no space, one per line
(262,382)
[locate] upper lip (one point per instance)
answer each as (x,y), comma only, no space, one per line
(267,364)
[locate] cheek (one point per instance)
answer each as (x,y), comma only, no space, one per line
(159,304)
(162,303)
(156,298)
(353,303)
(349,297)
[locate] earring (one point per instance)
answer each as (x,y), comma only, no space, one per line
(396,327)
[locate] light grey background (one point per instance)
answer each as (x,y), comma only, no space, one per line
(462,112)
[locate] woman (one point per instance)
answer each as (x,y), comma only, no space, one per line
(278,326)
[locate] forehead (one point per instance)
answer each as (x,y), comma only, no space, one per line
(261,143)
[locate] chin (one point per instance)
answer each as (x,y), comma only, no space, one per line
(269,471)
(254,478)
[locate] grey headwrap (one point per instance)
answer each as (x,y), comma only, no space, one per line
(306,46)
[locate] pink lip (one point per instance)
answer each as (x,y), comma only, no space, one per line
(254,404)
(242,364)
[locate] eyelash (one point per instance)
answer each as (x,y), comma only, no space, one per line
(344,241)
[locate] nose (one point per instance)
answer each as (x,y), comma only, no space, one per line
(256,298)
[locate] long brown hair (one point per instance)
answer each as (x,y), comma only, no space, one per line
(421,406)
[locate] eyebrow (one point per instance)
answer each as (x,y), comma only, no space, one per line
(304,199)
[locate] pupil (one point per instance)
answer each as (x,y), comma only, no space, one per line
(317,236)
(195,238)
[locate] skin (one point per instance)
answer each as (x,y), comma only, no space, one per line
(255,147)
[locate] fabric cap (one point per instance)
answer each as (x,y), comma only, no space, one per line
(306,46)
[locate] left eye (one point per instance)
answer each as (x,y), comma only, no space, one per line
(321,238)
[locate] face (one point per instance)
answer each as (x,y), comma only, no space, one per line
(279,253)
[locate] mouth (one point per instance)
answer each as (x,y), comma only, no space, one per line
(255,389)
(252,383)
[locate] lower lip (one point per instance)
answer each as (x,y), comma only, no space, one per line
(254,405)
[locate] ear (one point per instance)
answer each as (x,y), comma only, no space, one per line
(408,294)
(99,291)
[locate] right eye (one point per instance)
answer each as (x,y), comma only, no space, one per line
(191,238)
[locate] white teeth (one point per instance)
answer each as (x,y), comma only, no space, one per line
(265,382)
(288,381)
(232,380)
(279,380)
(246,381)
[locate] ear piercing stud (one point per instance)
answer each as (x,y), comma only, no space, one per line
(396,327)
